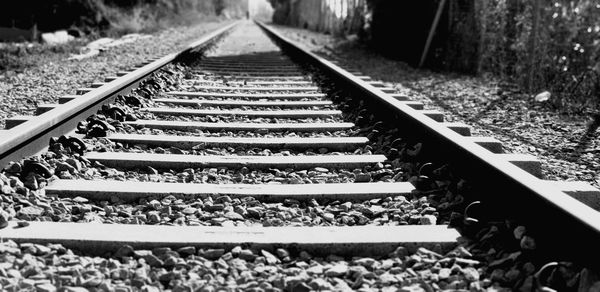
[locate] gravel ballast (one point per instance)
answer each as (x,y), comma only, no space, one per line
(460,98)
(564,143)
(36,267)
(493,257)
(54,75)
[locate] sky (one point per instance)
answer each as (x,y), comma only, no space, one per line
(260,9)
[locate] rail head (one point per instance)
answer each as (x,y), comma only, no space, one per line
(578,220)
(32,136)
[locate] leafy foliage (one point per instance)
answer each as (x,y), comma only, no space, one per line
(122,16)
(494,37)
(566,60)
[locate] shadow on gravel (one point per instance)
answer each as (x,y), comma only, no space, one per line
(587,138)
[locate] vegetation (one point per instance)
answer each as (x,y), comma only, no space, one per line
(560,53)
(116,16)
(151,15)
(539,45)
(97,18)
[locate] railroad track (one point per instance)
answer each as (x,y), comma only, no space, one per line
(264,150)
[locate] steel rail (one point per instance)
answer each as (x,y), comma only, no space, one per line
(33,135)
(565,227)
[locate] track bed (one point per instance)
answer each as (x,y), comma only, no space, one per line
(250,167)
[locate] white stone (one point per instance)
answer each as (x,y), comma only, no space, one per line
(57,37)
(337,270)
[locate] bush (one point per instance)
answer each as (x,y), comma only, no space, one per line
(495,37)
(564,58)
(122,16)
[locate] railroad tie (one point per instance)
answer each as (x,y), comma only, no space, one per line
(249,113)
(255,77)
(238,66)
(133,191)
(231,88)
(254,84)
(14,121)
(489,143)
(241,103)
(344,241)
(240,126)
(248,95)
(169,161)
(259,72)
(581,191)
(188,142)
